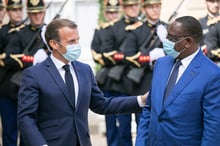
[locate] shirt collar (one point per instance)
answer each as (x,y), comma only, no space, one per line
(186,61)
(59,64)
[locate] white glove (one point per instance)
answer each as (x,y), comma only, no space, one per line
(156,53)
(39,56)
(161,32)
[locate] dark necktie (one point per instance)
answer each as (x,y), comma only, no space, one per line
(172,80)
(69,82)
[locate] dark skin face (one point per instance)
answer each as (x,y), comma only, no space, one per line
(184,43)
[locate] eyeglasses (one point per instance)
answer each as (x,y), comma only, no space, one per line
(175,38)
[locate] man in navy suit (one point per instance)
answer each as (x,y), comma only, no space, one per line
(49,113)
(189,114)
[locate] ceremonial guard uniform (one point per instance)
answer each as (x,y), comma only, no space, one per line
(111,79)
(114,134)
(205,28)
(30,39)
(8,90)
(213,42)
(19,52)
(113,51)
(112,7)
(143,47)
(7,32)
(25,37)
(213,7)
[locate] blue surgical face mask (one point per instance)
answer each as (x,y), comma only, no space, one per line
(168,47)
(72,52)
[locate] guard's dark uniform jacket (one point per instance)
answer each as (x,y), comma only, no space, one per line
(100,36)
(96,41)
(7,66)
(117,34)
(113,45)
(213,42)
(26,42)
(16,46)
(205,28)
(25,39)
(6,33)
(140,43)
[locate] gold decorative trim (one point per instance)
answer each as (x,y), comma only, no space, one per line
(109,56)
(213,20)
(216,52)
(132,59)
(98,57)
(16,58)
(34,2)
(16,28)
(133,26)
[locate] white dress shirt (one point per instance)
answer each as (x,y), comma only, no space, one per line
(59,65)
(185,63)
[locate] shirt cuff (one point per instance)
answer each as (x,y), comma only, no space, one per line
(140,103)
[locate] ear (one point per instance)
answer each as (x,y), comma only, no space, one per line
(53,44)
(189,42)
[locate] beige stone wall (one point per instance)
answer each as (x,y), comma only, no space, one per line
(196,8)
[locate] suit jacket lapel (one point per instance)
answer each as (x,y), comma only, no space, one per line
(58,80)
(191,72)
(165,70)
